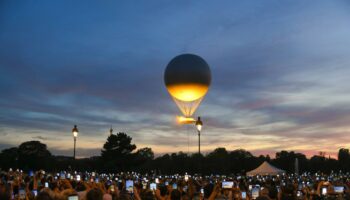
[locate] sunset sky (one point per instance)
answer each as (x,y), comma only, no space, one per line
(280,74)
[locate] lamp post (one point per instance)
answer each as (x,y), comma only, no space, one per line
(75,135)
(199,125)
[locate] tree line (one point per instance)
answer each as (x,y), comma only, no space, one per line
(119,154)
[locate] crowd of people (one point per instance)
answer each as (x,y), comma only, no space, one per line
(72,185)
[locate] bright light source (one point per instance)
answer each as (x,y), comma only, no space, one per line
(199,127)
(75,131)
(199,124)
(75,134)
(188,92)
(185,120)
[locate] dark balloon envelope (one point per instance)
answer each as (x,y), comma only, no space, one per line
(187,68)
(187,78)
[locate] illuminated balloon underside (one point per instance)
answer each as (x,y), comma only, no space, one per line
(187,78)
(187,92)
(188,96)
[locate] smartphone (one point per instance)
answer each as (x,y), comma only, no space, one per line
(299,193)
(22,194)
(255,192)
(174,186)
(324,191)
(35,192)
(46,184)
(244,195)
(166,183)
(185,188)
(144,185)
(202,191)
(129,186)
(153,186)
(300,187)
(78,177)
(338,189)
(96,180)
(62,176)
(227,184)
(186,177)
(108,183)
(68,175)
(250,187)
(157,180)
(73,197)
(111,188)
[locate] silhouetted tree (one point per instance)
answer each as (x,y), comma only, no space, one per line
(218,160)
(323,164)
(286,161)
(344,159)
(143,158)
(240,160)
(180,161)
(116,152)
(33,155)
(162,163)
(117,155)
(196,163)
(144,154)
(9,158)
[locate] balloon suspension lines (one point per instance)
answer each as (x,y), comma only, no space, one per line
(187,107)
(188,140)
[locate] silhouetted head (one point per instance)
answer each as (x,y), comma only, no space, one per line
(262,198)
(147,195)
(94,194)
(5,192)
(175,195)
(44,196)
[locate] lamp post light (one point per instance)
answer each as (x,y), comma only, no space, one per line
(75,135)
(199,125)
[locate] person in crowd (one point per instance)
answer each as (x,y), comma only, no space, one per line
(44,196)
(92,186)
(175,195)
(94,194)
(5,193)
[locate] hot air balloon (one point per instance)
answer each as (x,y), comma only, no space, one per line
(187,78)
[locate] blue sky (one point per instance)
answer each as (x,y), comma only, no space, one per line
(280,73)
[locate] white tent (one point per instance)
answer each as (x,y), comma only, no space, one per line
(265,169)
